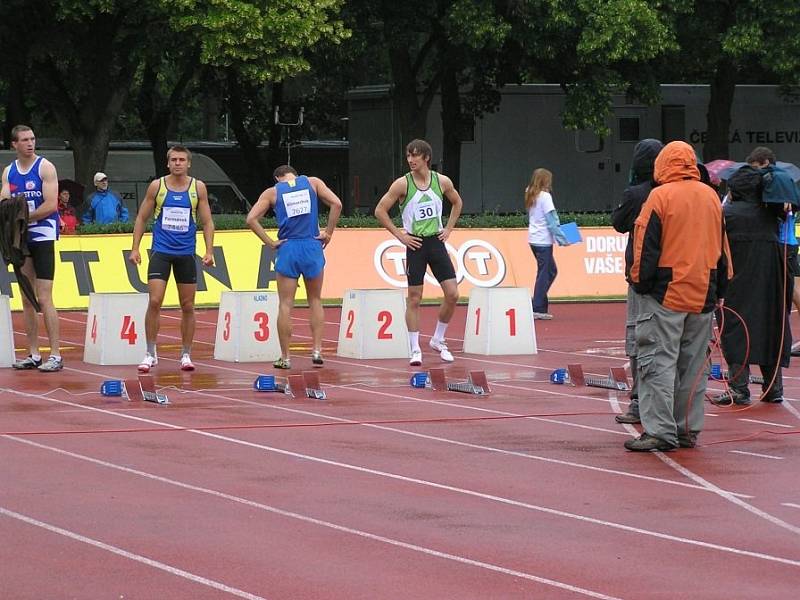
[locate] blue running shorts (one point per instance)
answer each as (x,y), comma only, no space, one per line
(300,257)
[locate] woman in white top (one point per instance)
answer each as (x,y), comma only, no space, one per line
(543,229)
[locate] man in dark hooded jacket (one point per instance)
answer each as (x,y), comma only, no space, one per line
(759,292)
(623,218)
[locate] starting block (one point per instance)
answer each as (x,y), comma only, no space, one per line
(616,380)
(436,379)
(718,374)
(114,387)
(303,385)
(149,394)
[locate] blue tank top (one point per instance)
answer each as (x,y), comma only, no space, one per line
(29,184)
(296,209)
(175,227)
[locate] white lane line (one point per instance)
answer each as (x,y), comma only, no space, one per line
(756,454)
(790,504)
(129,555)
(312,521)
(440,486)
(788,406)
(770,423)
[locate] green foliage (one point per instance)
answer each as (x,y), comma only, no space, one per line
(594,48)
(360,221)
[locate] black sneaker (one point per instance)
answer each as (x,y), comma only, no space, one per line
(687,440)
(628,418)
(731,397)
(773,399)
(28,363)
(648,443)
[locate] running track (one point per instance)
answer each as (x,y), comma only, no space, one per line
(385,491)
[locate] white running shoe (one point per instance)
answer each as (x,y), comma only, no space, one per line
(416,358)
(441,348)
(148,362)
(186,363)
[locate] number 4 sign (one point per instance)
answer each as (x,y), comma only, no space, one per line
(114,329)
(373,324)
(500,321)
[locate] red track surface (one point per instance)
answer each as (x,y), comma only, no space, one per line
(266,506)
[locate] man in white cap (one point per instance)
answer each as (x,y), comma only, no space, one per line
(105,205)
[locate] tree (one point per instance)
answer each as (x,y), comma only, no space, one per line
(738,41)
(89,52)
(594,50)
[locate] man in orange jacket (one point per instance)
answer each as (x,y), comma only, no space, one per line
(681,266)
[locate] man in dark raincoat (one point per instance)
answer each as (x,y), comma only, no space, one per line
(760,292)
(623,218)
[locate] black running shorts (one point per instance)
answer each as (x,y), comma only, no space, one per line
(432,253)
(182,264)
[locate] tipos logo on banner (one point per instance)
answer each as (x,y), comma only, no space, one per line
(477,261)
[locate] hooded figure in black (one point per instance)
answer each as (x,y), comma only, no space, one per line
(623,218)
(759,292)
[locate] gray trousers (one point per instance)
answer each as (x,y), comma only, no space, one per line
(672,350)
(632,312)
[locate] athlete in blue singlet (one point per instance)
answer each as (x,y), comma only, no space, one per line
(36,178)
(177,201)
(299,248)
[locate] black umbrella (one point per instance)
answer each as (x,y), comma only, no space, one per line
(75,190)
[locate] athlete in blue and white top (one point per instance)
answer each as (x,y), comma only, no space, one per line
(36,178)
(299,248)
(178,201)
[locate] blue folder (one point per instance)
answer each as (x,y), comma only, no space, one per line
(571,232)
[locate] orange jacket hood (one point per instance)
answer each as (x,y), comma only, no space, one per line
(676,162)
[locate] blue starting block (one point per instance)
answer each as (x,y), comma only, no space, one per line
(419,380)
(112,387)
(559,376)
(265,383)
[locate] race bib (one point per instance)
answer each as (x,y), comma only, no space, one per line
(175,218)
(297,203)
(426,211)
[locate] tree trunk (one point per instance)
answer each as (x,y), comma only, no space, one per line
(247,143)
(412,118)
(16,111)
(452,125)
(718,117)
(88,122)
(156,113)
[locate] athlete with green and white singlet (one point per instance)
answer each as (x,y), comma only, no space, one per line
(420,193)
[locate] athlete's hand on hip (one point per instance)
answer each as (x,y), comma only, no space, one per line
(411,241)
(444,234)
(324,237)
(135,257)
(208,259)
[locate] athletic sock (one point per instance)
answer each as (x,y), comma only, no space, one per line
(413,339)
(36,356)
(441,329)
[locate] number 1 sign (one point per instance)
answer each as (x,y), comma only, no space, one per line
(373,325)
(115,329)
(500,321)
(6,333)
